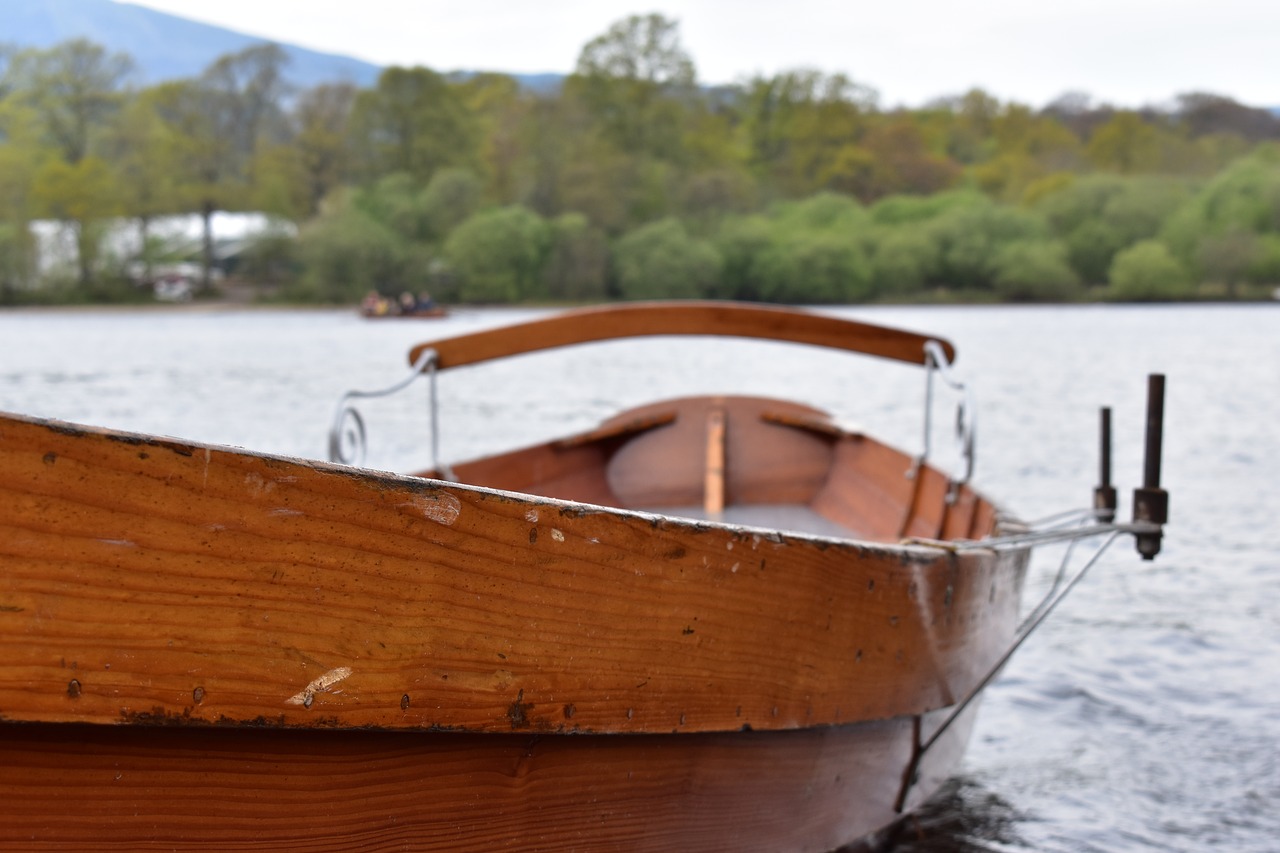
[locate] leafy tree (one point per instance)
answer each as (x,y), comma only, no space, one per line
(320,117)
(1148,272)
(970,236)
(216,125)
(347,253)
(72,90)
(741,240)
(661,261)
(1034,270)
(802,127)
(80,194)
(814,267)
(498,254)
(414,122)
(1126,144)
(73,87)
(634,80)
(450,198)
(904,260)
(577,260)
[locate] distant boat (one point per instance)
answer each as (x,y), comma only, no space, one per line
(433,313)
(710,623)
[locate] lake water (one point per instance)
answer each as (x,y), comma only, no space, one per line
(1144,716)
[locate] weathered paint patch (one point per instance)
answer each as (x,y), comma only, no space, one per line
(441,507)
(531,516)
(308,694)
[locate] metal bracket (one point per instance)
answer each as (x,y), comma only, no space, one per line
(966,416)
(347,435)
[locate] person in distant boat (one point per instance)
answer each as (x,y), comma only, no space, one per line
(407,303)
(369,305)
(425,302)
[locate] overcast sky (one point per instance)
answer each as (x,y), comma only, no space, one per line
(1125,52)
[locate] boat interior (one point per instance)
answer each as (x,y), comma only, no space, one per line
(747,461)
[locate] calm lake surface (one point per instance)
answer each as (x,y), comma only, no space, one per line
(1144,716)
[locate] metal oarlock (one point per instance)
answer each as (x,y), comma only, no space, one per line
(1104,496)
(1150,502)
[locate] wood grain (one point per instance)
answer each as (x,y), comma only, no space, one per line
(680,318)
(136,787)
(158,581)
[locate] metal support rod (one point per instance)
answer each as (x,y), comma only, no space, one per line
(1025,632)
(1150,502)
(1104,496)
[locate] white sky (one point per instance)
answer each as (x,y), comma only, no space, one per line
(1125,52)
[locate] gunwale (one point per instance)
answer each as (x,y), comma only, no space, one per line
(279,573)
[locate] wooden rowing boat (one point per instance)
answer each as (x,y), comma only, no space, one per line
(716,623)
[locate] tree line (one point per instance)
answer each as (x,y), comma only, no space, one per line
(634,181)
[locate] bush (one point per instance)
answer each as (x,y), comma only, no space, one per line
(1147,272)
(498,254)
(814,267)
(1035,270)
(661,261)
(577,260)
(347,254)
(904,260)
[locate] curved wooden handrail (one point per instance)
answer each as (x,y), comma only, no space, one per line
(680,318)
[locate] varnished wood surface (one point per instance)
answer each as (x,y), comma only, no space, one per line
(80,787)
(681,318)
(152,580)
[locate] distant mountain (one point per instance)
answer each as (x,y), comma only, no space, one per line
(163,46)
(167,47)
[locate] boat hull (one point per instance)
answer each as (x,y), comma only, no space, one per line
(203,646)
(129,787)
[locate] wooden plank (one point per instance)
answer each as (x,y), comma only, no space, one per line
(147,580)
(680,318)
(713,489)
(124,788)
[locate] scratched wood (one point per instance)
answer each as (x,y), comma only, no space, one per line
(681,318)
(190,788)
(146,580)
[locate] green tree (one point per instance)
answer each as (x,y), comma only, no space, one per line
(348,253)
(1034,271)
(577,259)
(1126,144)
(217,126)
(635,80)
(414,121)
(662,261)
(72,90)
(497,255)
(814,267)
(80,194)
(904,260)
(800,126)
(1148,272)
(320,117)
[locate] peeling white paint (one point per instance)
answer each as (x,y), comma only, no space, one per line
(557,535)
(319,685)
(124,543)
(442,508)
(286,511)
(531,516)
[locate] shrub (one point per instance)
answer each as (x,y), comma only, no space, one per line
(497,255)
(661,261)
(1147,272)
